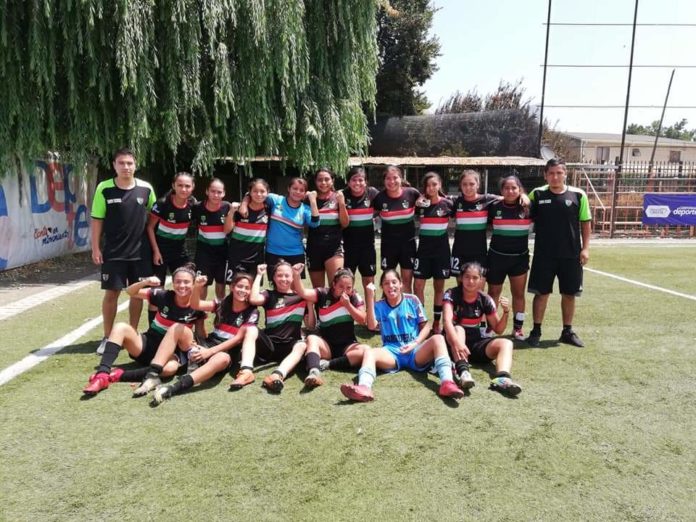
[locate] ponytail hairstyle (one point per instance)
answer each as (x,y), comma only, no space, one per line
(188,268)
(213,180)
(178,175)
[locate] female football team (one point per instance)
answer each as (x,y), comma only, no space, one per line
(262,236)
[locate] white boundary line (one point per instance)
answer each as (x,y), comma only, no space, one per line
(644,285)
(44,353)
(39,298)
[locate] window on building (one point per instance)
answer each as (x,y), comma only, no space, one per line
(635,153)
(674,156)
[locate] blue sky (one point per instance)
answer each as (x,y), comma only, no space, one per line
(483,42)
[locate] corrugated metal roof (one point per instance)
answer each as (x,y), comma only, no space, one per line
(415,161)
(631,139)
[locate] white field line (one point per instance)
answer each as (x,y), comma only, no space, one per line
(44,353)
(644,285)
(31,301)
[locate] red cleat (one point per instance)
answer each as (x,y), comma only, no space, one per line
(115,375)
(97,383)
(450,390)
(357,392)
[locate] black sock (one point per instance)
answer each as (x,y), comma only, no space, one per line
(517,324)
(313,360)
(536,330)
(183,384)
(153,371)
(340,363)
(151,315)
(111,350)
(134,375)
(250,368)
(567,328)
(461,366)
(437,312)
(502,374)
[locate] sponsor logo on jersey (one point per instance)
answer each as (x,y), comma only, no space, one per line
(114,200)
(202,219)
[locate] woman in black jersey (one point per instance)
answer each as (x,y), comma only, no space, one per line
(433,255)
(281,340)
(359,235)
(211,249)
(395,205)
(508,253)
(173,310)
(338,308)
(463,309)
(168,225)
(247,233)
(235,325)
(324,243)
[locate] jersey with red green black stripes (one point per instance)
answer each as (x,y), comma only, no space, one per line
(335,322)
(397,214)
(284,314)
(511,226)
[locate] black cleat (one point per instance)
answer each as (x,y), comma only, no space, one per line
(570,337)
(533,339)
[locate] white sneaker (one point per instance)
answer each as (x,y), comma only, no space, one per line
(466,381)
(102,346)
(149,384)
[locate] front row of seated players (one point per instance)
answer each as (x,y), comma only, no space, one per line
(406,339)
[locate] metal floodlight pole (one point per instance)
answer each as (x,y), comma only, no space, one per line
(619,168)
(659,129)
(543,82)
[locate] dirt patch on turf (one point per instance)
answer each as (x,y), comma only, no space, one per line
(48,273)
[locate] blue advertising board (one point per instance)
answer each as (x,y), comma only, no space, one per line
(669,209)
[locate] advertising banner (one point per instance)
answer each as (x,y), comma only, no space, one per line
(44,213)
(669,209)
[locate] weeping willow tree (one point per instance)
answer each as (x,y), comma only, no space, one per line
(234,78)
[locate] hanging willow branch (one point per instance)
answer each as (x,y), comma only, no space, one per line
(233,78)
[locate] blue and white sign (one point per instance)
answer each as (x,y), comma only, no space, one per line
(669,209)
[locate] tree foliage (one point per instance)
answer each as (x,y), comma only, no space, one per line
(231,78)
(677,131)
(406,56)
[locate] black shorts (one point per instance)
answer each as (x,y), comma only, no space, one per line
(269,351)
(432,267)
(235,267)
(318,255)
(401,254)
(170,263)
(272,260)
(544,270)
(477,350)
(363,258)
(500,266)
(116,275)
(338,348)
(458,262)
(212,266)
(150,345)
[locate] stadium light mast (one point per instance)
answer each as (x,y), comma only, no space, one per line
(619,167)
(543,81)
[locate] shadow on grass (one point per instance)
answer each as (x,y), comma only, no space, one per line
(543,345)
(433,386)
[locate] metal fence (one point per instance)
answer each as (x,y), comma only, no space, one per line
(635,180)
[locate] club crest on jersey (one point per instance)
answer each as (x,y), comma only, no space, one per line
(404,204)
(238,322)
(105,277)
(140,200)
(280,303)
(568,202)
(171,216)
(384,206)
(499,214)
(478,206)
(331,205)
(440,212)
(202,219)
(366,203)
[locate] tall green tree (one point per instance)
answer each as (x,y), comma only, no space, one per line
(407,56)
(231,78)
